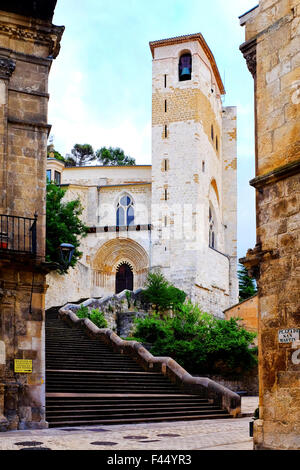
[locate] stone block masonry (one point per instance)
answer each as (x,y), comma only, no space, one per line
(272,53)
(27,48)
(200,175)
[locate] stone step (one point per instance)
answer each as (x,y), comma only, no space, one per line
(87,382)
(132,420)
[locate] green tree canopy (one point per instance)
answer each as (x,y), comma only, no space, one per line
(114,157)
(52,153)
(247,287)
(81,154)
(199,342)
(63,225)
(160,293)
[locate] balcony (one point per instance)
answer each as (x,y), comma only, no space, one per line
(17,234)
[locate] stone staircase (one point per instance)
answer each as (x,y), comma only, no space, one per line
(88,383)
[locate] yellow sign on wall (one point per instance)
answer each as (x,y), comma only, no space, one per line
(23,366)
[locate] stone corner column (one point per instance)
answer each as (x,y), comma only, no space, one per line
(3,421)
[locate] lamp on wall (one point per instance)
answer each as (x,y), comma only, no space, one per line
(66,253)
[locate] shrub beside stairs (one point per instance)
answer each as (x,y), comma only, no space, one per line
(95,377)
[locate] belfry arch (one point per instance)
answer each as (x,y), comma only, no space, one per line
(110,257)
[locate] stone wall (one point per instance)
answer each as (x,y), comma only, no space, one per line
(272,53)
(246,383)
(27,49)
(118,314)
(247,311)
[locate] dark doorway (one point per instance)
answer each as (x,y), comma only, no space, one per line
(124,278)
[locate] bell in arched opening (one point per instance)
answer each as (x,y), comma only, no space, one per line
(185,67)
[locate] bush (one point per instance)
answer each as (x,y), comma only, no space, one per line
(151,329)
(98,318)
(95,316)
(161,294)
(82,312)
(199,342)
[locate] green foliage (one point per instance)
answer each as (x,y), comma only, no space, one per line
(51,153)
(161,294)
(94,315)
(114,157)
(82,312)
(98,318)
(151,329)
(247,287)
(128,297)
(63,225)
(176,297)
(81,154)
(199,342)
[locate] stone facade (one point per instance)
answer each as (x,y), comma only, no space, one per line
(190,186)
(104,249)
(200,148)
(27,48)
(272,53)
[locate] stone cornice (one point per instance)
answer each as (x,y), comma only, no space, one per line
(280,173)
(50,36)
(7,67)
(248,50)
(30,124)
(255,258)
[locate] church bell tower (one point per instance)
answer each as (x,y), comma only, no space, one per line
(188,212)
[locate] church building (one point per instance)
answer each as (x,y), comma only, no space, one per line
(178,215)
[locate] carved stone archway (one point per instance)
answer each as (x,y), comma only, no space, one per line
(108,259)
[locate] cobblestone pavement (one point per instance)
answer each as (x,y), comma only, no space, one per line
(220,434)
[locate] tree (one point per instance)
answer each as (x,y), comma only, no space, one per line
(161,294)
(199,342)
(81,154)
(63,225)
(52,153)
(114,157)
(247,287)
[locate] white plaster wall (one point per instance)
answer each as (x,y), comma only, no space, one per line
(102,175)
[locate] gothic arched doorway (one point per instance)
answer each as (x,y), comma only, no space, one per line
(124,278)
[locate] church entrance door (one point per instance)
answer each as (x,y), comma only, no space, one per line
(124,278)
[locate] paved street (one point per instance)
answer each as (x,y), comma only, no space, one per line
(220,434)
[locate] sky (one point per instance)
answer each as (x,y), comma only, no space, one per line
(100,85)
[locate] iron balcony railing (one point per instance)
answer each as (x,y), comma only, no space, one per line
(18,234)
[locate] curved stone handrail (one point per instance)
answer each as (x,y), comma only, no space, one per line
(203,386)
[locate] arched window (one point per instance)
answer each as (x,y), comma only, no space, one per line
(125,211)
(185,67)
(212,229)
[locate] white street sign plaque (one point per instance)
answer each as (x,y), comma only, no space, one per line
(289,336)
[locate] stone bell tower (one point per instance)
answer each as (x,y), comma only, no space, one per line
(193,171)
